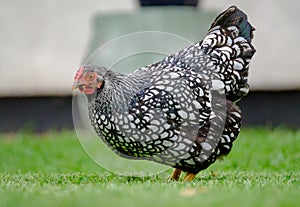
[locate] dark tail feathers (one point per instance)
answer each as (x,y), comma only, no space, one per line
(235,17)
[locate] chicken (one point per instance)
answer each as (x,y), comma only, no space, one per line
(181,111)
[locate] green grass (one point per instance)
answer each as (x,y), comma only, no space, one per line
(53,170)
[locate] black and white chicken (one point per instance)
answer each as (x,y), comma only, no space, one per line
(180,111)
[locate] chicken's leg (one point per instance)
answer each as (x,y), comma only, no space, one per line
(189,177)
(175,175)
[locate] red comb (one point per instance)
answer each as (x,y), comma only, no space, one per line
(79,73)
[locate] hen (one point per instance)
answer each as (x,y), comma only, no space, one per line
(180,111)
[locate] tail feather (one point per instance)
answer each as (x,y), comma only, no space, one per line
(224,54)
(235,17)
(233,25)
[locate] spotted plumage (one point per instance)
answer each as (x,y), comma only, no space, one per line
(179,111)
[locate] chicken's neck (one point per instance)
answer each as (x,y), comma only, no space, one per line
(119,89)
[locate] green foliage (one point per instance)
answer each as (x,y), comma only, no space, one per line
(52,169)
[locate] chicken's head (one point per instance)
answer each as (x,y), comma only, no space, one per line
(87,79)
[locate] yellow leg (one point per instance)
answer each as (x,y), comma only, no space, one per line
(175,175)
(189,177)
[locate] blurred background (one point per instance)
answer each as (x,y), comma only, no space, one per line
(44,42)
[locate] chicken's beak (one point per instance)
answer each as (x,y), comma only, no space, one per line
(75,86)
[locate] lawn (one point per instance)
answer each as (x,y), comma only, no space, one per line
(52,169)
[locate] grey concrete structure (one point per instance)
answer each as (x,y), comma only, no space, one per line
(43,42)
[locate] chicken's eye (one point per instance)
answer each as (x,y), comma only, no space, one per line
(90,76)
